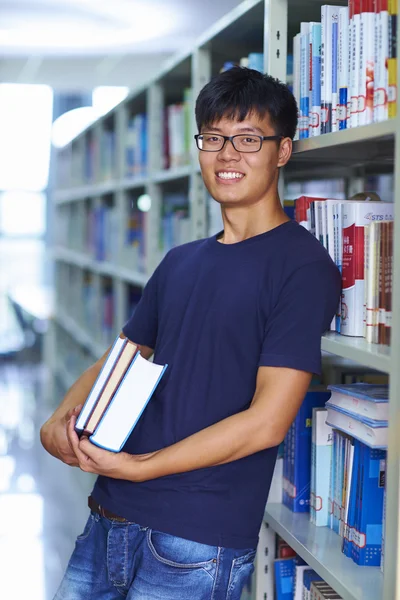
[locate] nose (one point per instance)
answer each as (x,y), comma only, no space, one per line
(229,152)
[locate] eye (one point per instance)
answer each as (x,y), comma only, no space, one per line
(250,140)
(211,139)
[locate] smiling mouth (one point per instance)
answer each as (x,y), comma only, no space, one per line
(230,175)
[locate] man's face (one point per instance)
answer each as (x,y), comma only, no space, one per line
(256,173)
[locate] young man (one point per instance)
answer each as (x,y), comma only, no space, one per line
(238,317)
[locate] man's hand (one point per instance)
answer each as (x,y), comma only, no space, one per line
(93,459)
(55,440)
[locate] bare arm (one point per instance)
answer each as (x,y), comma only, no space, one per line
(279,394)
(53,433)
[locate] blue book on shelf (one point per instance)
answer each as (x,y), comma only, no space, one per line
(284,573)
(304,81)
(309,576)
(367,534)
(315,118)
(298,454)
(347,543)
(143,144)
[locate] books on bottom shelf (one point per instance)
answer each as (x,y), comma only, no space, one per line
(295,580)
(119,395)
(297,454)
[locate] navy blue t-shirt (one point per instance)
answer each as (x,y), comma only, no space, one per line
(216,313)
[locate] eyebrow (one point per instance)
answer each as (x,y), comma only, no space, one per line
(241,130)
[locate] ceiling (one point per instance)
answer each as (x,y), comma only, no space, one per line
(54,28)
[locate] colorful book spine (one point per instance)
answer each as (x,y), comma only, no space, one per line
(304,80)
(315,116)
(343,57)
(392,60)
(367,59)
(296,76)
(367,532)
(355,216)
(381,60)
(355,60)
(335,67)
(321,465)
(297,455)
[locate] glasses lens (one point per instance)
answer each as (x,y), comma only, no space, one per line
(247,143)
(210,142)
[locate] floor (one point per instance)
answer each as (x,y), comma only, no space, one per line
(42,502)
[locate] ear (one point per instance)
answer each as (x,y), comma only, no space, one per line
(285,151)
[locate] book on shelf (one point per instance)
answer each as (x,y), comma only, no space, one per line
(136,146)
(321,457)
(392,58)
(371,401)
(356,78)
(319,590)
(372,432)
(297,454)
(119,395)
(355,216)
(309,576)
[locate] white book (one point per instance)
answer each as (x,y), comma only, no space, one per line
(127,404)
(100,382)
(367,59)
(355,62)
(298,581)
(322,441)
(372,433)
(349,65)
(372,234)
(329,36)
(364,399)
(381,61)
(348,475)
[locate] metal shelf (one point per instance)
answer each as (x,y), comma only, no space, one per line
(82,337)
(86,191)
(101,267)
(369,144)
(320,547)
(172,174)
(359,350)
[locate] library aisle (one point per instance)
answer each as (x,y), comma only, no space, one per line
(41,511)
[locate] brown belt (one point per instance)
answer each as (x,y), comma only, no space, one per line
(103,512)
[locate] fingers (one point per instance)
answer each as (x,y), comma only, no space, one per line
(73,412)
(83,459)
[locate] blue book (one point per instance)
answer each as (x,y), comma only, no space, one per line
(304,81)
(298,453)
(284,569)
(370,432)
(365,399)
(347,543)
(309,576)
(315,113)
(367,535)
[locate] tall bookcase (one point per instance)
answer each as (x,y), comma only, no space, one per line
(96,288)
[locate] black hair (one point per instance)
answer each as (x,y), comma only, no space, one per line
(236,93)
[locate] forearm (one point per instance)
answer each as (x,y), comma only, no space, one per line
(231,439)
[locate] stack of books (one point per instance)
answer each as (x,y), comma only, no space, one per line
(119,396)
(345,67)
(177,132)
(295,580)
(358,415)
(359,238)
(297,454)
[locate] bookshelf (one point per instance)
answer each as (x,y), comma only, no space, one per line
(103,188)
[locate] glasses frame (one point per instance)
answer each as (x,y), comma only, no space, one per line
(230,138)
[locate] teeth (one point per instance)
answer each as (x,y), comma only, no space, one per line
(230,175)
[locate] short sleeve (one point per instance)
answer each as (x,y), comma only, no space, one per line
(303,312)
(142,326)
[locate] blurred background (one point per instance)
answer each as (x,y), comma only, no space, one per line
(63,63)
(98,180)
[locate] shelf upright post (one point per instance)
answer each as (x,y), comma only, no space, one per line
(275,51)
(275,38)
(392,533)
(155,117)
(198,196)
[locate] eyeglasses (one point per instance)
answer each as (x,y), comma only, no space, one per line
(212,142)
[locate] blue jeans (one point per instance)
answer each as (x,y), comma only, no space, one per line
(114,560)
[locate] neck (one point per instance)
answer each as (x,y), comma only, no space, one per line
(242,223)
